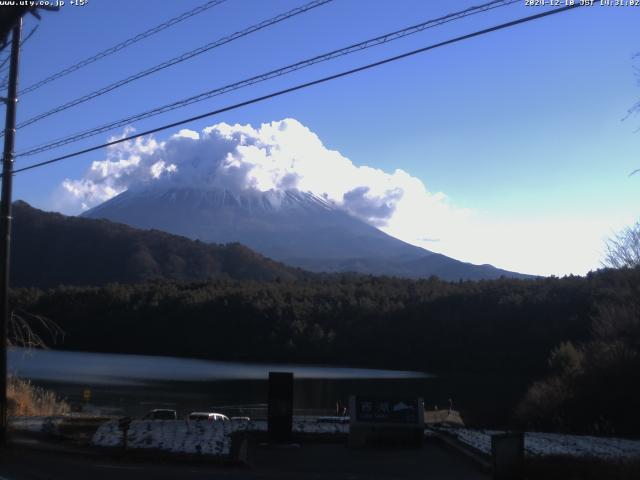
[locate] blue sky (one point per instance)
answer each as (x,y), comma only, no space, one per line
(520,130)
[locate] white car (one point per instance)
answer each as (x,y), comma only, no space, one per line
(209,416)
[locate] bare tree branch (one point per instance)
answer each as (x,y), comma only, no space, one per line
(623,250)
(23,330)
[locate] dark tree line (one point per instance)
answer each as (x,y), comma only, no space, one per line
(371,321)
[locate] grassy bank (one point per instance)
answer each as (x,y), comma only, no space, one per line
(26,399)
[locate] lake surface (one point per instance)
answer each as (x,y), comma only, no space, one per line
(118,369)
(134,384)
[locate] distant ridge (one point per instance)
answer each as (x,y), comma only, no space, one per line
(50,249)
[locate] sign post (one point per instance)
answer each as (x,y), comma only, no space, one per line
(280,410)
(123,424)
(386,420)
(507,452)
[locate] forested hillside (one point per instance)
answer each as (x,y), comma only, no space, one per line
(49,249)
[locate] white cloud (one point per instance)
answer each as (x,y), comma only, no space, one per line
(186,133)
(277,155)
(107,178)
(286,154)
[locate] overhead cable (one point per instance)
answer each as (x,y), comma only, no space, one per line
(303,86)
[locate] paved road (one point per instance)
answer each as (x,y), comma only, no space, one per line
(316,461)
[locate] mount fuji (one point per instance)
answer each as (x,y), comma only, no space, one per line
(297,228)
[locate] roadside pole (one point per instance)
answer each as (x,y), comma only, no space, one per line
(5,219)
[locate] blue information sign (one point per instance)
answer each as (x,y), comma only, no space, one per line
(386,410)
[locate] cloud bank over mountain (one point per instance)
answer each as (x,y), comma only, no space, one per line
(285,155)
(278,155)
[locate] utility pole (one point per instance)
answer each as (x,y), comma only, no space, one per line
(5,219)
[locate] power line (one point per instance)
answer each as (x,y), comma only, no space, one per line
(304,85)
(126,43)
(176,60)
(4,66)
(267,76)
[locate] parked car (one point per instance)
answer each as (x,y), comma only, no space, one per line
(161,414)
(209,416)
(241,419)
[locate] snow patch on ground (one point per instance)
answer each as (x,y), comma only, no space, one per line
(580,446)
(195,437)
(321,427)
(35,424)
(176,436)
(309,425)
(545,444)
